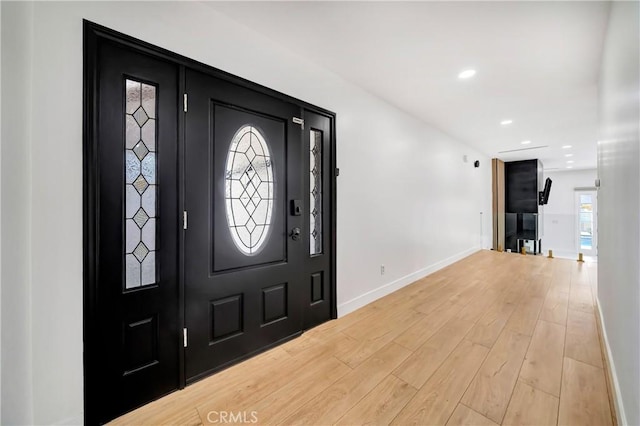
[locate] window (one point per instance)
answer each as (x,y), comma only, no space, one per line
(315,188)
(249,190)
(140,184)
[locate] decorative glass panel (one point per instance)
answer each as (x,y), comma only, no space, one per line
(249,189)
(140,184)
(315,188)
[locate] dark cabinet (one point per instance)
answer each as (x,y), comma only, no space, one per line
(523,216)
(523,230)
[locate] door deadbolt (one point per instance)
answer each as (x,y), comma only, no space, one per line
(295,234)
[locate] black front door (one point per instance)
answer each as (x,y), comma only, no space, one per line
(132,333)
(244,249)
(209,220)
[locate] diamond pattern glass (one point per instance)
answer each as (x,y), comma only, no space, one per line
(141,251)
(249,190)
(140,150)
(140,116)
(140,189)
(141,218)
(315,192)
(140,184)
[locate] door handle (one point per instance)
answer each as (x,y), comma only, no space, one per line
(295,234)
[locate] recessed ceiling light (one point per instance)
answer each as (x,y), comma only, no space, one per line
(506,122)
(569,167)
(467,74)
(566,146)
(525,142)
(570,162)
(568,155)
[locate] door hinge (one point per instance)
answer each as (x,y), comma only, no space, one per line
(184,219)
(337,172)
(184,337)
(299,121)
(184,102)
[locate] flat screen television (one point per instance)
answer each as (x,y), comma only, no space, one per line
(544,194)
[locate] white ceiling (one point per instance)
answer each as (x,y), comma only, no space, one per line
(537,64)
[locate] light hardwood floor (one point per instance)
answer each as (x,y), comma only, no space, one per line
(496,338)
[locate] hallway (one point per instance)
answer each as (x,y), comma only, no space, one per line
(493,339)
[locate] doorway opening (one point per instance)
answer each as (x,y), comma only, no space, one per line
(586,230)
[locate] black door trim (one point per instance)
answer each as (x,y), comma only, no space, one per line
(92,34)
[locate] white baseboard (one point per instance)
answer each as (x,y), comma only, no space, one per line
(383,290)
(620,413)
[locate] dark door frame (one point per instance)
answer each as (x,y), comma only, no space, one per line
(92,35)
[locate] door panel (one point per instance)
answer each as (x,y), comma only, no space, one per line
(136,340)
(243,273)
(319,216)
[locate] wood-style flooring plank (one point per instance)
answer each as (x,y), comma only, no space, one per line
(350,319)
(422,363)
(478,307)
(373,336)
(413,337)
(334,342)
(229,396)
(465,416)
(429,305)
(469,293)
(340,397)
(525,317)
(284,401)
(580,298)
(538,287)
(555,306)
(584,398)
(490,391)
(381,405)
(490,325)
(580,275)
(437,399)
(542,367)
(561,275)
(583,343)
(167,413)
(531,407)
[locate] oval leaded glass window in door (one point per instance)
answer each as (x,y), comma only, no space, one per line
(249,190)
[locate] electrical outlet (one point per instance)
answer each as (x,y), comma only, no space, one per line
(381,269)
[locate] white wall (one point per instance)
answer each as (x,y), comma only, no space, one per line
(560,215)
(619,203)
(17,27)
(405,197)
(0,217)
